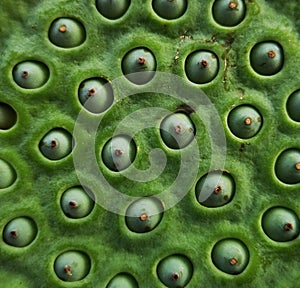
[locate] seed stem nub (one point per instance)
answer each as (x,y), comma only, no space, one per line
(144,217)
(204,63)
(62,28)
(288,227)
(271,54)
(73,204)
(248,121)
(217,190)
(232,5)
(141,60)
(175,276)
(233,261)
(297,166)
(25,74)
(68,270)
(14,234)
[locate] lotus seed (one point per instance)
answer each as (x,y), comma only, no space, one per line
(201,66)
(112,9)
(144,214)
(72,266)
(266,58)
(244,121)
(96,95)
(119,152)
(31,74)
(123,280)
(293,106)
(67,33)
(56,144)
(139,65)
(215,189)
(281,224)
(229,13)
(8,174)
(76,203)
(230,256)
(169,9)
(175,271)
(177,130)
(20,232)
(287,166)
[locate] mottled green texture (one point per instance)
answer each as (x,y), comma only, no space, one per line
(188,228)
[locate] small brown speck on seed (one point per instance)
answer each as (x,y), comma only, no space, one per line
(297,166)
(233,261)
(144,217)
(91,92)
(178,129)
(141,61)
(204,63)
(73,204)
(217,190)
(14,234)
(232,5)
(288,227)
(68,270)
(118,152)
(25,74)
(53,144)
(248,121)
(175,276)
(271,54)
(62,28)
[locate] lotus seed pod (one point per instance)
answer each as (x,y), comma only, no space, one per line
(76,203)
(244,121)
(56,144)
(215,189)
(267,58)
(67,33)
(144,214)
(20,232)
(8,116)
(175,271)
(31,74)
(177,130)
(139,65)
(169,9)
(72,266)
(112,9)
(281,224)
(287,166)
(8,174)
(293,106)
(201,66)
(119,152)
(96,95)
(229,12)
(122,280)
(230,256)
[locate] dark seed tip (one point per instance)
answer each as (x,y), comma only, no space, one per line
(141,60)
(233,261)
(175,276)
(288,227)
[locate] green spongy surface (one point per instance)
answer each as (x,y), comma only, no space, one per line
(188,228)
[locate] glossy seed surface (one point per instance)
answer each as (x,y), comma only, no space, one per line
(123,280)
(8,116)
(293,106)
(169,9)
(112,9)
(8,174)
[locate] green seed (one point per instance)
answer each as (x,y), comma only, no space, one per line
(56,144)
(169,9)
(175,271)
(20,232)
(244,121)
(76,203)
(215,189)
(144,214)
(67,33)
(201,66)
(267,58)
(122,280)
(281,224)
(72,266)
(287,166)
(230,256)
(31,74)
(112,9)
(139,65)
(177,130)
(8,174)
(229,13)
(96,95)
(8,116)
(293,106)
(119,152)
